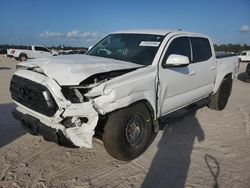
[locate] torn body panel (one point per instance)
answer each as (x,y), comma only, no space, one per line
(78,130)
(78,120)
(125,90)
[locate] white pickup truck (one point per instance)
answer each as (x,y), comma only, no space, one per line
(245,56)
(121,88)
(31,52)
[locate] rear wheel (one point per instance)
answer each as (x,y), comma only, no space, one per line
(128,132)
(220,98)
(23,57)
(248,69)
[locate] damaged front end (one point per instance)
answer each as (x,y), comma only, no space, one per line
(63,114)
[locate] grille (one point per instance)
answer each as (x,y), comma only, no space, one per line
(33,95)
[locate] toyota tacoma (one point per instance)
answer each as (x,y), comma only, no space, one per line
(121,87)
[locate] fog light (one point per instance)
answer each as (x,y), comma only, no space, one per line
(74,121)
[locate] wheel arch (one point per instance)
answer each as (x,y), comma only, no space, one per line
(228,75)
(155,124)
(152,112)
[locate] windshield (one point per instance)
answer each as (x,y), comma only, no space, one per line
(135,48)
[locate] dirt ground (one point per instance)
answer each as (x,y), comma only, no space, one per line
(208,149)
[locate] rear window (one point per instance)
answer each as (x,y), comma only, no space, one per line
(201,49)
(38,48)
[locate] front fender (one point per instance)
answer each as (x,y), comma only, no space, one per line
(125,90)
(108,103)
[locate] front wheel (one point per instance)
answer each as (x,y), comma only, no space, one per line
(128,132)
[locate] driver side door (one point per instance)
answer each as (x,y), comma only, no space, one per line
(176,83)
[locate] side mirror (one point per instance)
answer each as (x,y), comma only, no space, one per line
(175,60)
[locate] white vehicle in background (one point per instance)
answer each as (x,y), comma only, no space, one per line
(32,52)
(244,56)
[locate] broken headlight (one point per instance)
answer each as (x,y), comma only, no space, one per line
(74,94)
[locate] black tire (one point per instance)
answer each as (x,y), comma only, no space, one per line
(248,69)
(23,57)
(121,125)
(220,98)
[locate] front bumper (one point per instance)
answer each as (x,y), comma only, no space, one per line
(53,127)
(34,126)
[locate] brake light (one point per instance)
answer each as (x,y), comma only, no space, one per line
(12,51)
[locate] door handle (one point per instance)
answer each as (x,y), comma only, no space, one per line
(212,68)
(191,73)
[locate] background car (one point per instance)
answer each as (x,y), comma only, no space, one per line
(245,56)
(30,52)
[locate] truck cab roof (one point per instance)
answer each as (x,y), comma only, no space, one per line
(158,32)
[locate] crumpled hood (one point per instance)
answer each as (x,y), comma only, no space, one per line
(73,69)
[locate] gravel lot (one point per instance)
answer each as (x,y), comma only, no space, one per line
(208,149)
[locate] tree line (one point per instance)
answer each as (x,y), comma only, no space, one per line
(235,48)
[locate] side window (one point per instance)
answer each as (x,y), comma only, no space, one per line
(179,46)
(201,49)
(37,48)
(244,53)
(44,49)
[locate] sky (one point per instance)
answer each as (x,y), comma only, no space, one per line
(84,22)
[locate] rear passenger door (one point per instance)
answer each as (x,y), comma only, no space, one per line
(203,66)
